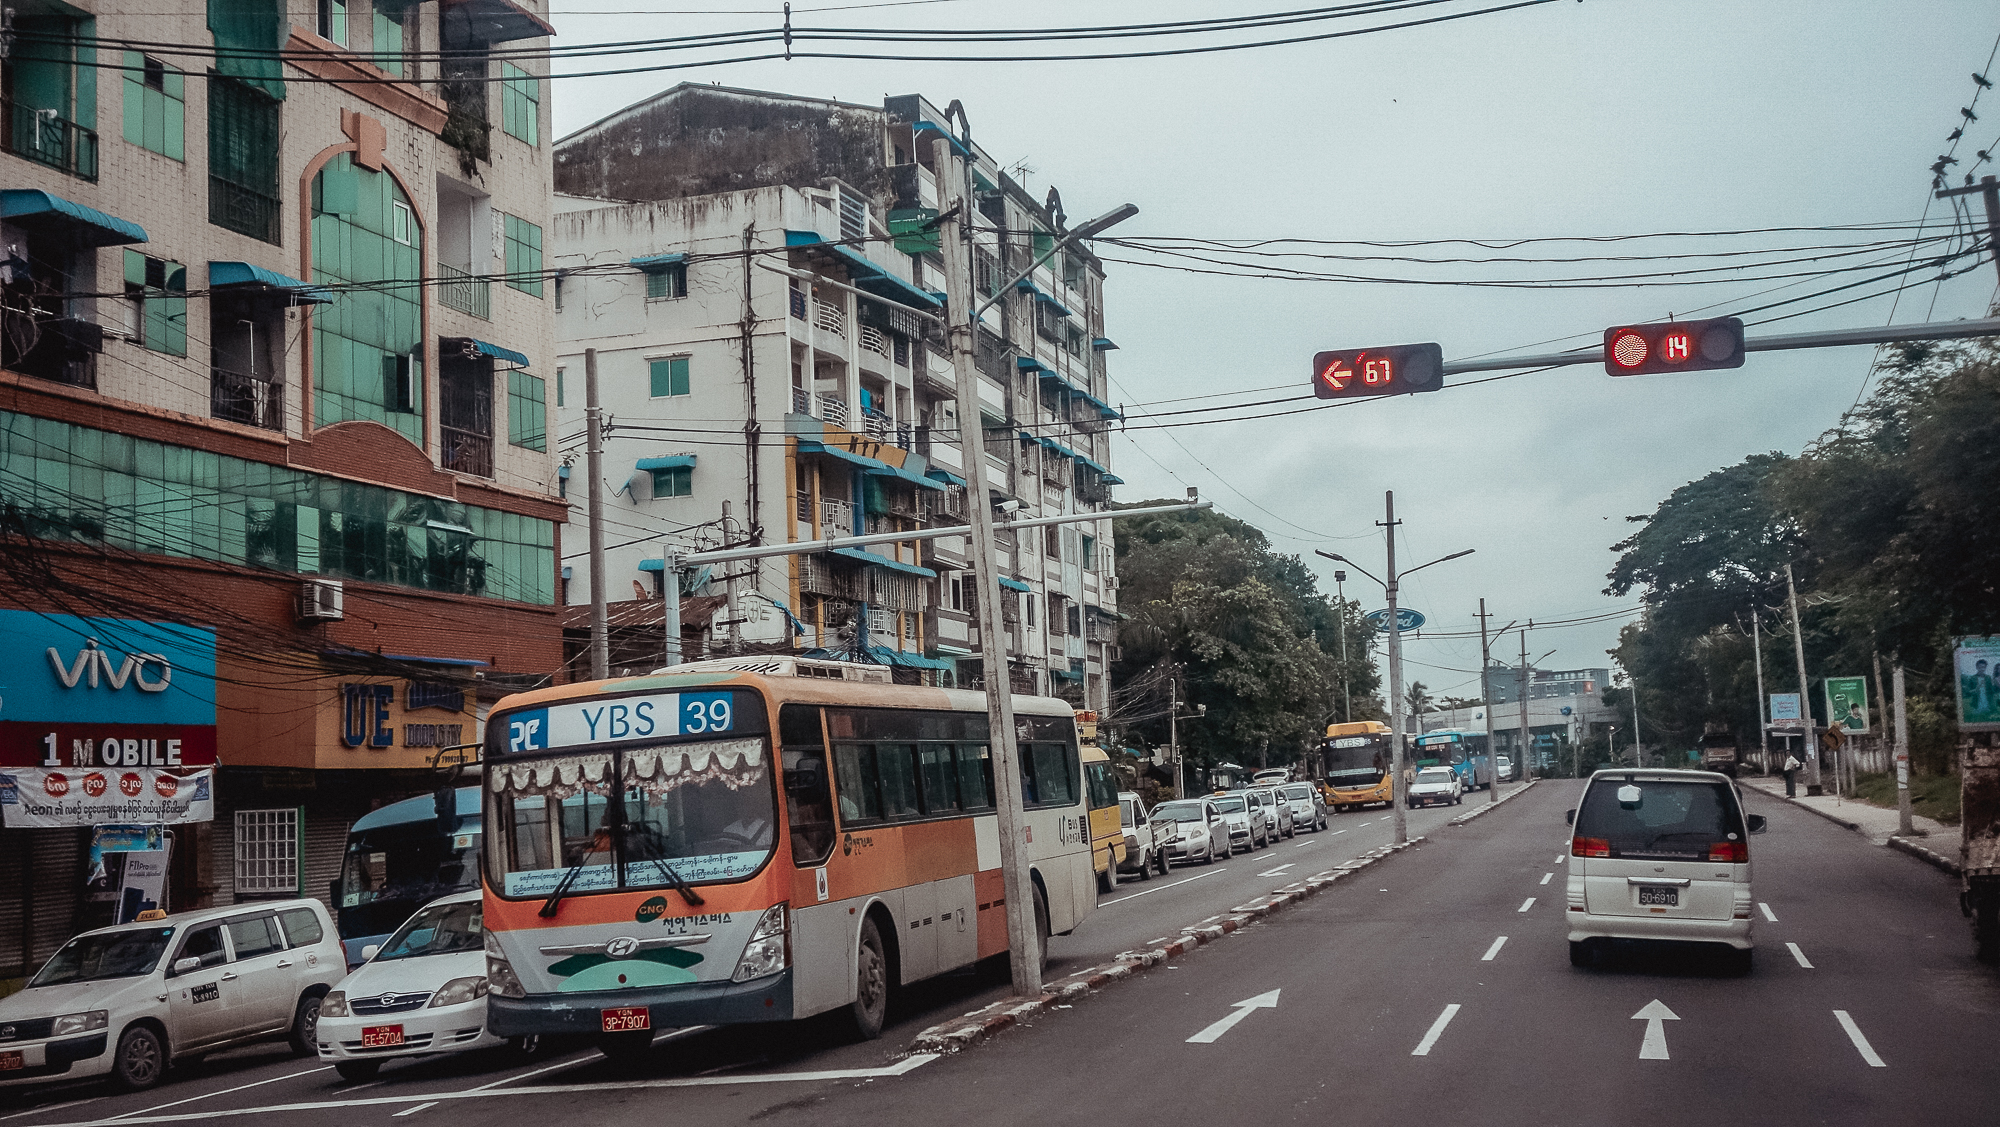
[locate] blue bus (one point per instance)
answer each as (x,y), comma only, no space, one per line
(1462,751)
(400,858)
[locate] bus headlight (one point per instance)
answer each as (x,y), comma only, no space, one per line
(500,976)
(765,953)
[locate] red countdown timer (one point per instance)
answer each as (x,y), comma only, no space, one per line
(1395,370)
(1674,346)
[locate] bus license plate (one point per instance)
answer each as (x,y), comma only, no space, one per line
(11,1061)
(1664,897)
(625,1019)
(381,1036)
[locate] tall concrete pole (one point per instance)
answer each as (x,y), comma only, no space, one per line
(593,462)
(1486,658)
(670,605)
(1902,755)
(1398,789)
(955,227)
(1637,752)
(1763,722)
(1527,741)
(1805,699)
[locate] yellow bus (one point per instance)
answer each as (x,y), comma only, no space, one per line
(1107,827)
(757,840)
(1354,765)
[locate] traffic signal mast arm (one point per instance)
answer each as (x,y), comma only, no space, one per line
(1825,338)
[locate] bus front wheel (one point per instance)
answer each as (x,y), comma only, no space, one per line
(871,983)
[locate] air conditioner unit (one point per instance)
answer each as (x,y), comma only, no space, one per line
(1110,583)
(321,600)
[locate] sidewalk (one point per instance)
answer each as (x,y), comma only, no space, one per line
(1933,842)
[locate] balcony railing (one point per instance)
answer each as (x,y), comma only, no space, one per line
(877,425)
(802,403)
(242,209)
(830,317)
(836,518)
(241,399)
(906,436)
(466,452)
(833,409)
(874,340)
(47,138)
(464,292)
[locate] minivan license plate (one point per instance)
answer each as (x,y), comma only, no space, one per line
(1664,897)
(625,1019)
(381,1036)
(11,1061)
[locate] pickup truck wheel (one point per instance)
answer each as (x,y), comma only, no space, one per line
(1145,867)
(1161,857)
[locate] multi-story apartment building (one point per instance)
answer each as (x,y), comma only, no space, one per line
(291,497)
(752,273)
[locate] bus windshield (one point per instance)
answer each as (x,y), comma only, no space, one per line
(1356,761)
(633,817)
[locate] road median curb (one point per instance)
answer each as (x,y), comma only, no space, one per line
(1508,797)
(1925,854)
(1827,814)
(967,1030)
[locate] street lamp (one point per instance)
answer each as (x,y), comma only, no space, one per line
(1389,588)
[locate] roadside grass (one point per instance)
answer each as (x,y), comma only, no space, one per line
(1933,796)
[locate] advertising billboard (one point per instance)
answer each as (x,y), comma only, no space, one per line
(1847,703)
(1977,663)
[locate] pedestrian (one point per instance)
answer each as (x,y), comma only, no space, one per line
(1791,769)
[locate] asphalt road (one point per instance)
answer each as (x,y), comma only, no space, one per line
(1386,1008)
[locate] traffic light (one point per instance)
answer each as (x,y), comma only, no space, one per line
(1675,346)
(1399,369)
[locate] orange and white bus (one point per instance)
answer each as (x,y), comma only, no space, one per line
(757,840)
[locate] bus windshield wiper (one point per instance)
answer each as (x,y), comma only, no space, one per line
(681,886)
(554,903)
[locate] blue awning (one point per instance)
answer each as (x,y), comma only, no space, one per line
(1061,449)
(922,127)
(1091,464)
(1102,344)
(1026,286)
(810,447)
(1103,409)
(1066,674)
(1029,364)
(867,274)
(669,462)
(862,555)
(1112,479)
(908,660)
(946,476)
(97,228)
(474,347)
(1045,299)
(653,262)
(1014,584)
(1050,375)
(231,273)
(907,475)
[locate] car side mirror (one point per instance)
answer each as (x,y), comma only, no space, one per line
(1569,817)
(1755,823)
(187,966)
(370,951)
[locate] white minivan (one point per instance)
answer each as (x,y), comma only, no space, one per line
(1660,855)
(129,1000)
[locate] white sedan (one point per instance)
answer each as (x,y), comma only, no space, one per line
(1200,832)
(1436,786)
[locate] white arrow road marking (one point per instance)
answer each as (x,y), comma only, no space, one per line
(1493,950)
(1546,876)
(1279,871)
(1799,955)
(1265,1001)
(1860,1042)
(1768,914)
(1654,1047)
(1423,1048)
(1526,904)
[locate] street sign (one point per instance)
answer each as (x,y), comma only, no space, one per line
(1394,370)
(1847,703)
(1785,712)
(1406,619)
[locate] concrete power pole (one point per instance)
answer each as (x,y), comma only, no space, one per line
(1763,722)
(1397,788)
(1902,755)
(955,227)
(1805,699)
(1527,741)
(1485,698)
(593,462)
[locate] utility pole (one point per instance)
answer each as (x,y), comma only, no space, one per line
(1346,692)
(1637,753)
(1988,190)
(1527,741)
(670,606)
(600,638)
(1805,700)
(1174,726)
(1902,756)
(1397,789)
(1486,699)
(1763,722)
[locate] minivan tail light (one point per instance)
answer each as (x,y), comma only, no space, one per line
(1590,847)
(1734,852)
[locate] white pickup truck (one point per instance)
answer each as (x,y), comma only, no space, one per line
(1145,843)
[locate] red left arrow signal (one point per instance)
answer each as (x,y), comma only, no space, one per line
(1395,370)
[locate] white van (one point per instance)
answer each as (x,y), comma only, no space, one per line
(1660,855)
(128,1000)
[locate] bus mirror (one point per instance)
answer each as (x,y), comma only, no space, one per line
(444,801)
(333,891)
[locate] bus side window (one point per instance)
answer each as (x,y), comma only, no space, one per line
(854,783)
(808,791)
(940,781)
(975,776)
(896,767)
(1055,774)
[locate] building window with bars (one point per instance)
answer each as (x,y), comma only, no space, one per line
(242,159)
(267,852)
(664,283)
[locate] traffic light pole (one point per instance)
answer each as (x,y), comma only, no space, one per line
(1828,338)
(1397,789)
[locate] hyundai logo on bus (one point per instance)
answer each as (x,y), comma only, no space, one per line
(1406,619)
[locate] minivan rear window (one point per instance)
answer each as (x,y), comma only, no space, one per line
(1671,819)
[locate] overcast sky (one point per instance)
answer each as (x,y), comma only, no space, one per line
(1607,117)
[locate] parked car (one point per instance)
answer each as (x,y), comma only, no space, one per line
(1199,830)
(1436,786)
(1308,805)
(1145,840)
(1503,769)
(1277,810)
(422,991)
(128,1001)
(1271,776)
(1247,821)
(1660,855)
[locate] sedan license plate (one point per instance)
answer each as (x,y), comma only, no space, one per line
(1661,897)
(625,1019)
(11,1061)
(381,1036)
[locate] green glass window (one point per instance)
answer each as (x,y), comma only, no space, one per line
(667,282)
(669,376)
(367,344)
(159,289)
(560,372)
(332,23)
(675,482)
(389,15)
(155,117)
(527,410)
(520,103)
(243,159)
(80,484)
(524,255)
